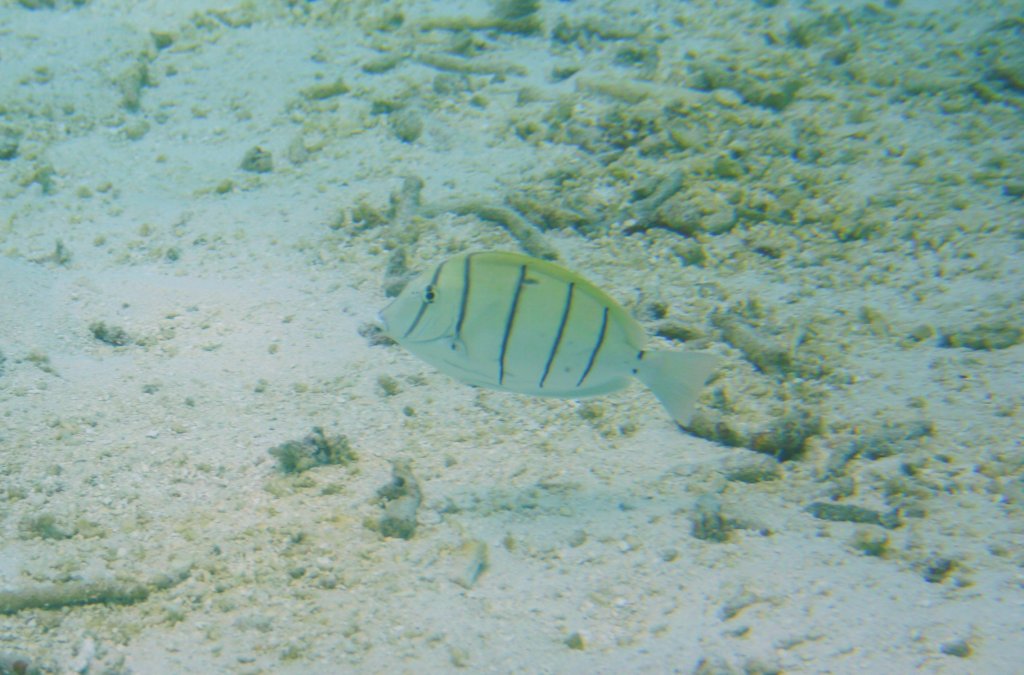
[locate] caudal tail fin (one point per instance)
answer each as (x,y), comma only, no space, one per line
(676,378)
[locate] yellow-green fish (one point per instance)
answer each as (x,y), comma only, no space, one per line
(514,323)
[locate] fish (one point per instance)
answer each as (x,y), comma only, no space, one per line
(514,323)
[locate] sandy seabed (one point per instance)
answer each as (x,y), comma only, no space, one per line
(205,205)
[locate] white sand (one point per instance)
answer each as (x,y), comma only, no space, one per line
(244,303)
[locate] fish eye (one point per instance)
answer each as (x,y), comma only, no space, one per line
(429,293)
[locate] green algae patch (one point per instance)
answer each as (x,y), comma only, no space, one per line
(115,336)
(325,90)
(257,160)
(406,124)
(316,449)
(10,140)
(851,513)
(76,593)
(400,500)
(516,17)
(786,437)
(987,336)
(707,521)
(46,526)
(870,541)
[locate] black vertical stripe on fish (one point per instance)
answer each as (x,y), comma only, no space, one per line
(424,304)
(597,347)
(508,323)
(558,336)
(466,271)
